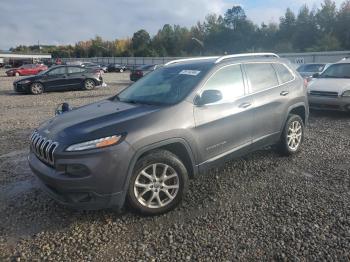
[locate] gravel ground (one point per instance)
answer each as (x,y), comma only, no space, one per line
(259,207)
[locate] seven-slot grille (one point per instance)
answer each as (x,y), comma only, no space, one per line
(43,147)
(324,93)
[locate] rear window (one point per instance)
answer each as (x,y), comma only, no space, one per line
(261,75)
(283,73)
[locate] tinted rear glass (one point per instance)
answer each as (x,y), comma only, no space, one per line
(261,75)
(283,73)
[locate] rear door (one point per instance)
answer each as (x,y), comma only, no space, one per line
(225,126)
(270,99)
(75,76)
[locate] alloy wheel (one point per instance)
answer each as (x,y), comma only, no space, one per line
(89,84)
(294,135)
(156,185)
(37,88)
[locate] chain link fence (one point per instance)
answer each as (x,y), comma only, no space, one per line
(295,58)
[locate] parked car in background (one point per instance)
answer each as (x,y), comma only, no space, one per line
(144,144)
(331,89)
(308,70)
(104,67)
(116,68)
(28,69)
(60,78)
(94,65)
(141,71)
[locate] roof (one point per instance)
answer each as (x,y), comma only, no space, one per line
(219,59)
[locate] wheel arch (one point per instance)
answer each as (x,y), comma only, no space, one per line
(178,147)
(174,145)
(299,109)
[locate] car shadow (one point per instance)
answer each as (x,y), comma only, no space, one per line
(330,114)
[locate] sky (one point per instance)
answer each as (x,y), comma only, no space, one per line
(69,21)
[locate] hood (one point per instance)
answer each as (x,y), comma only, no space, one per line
(31,78)
(93,121)
(330,85)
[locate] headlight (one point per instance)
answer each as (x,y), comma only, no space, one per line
(97,143)
(24,82)
(346,93)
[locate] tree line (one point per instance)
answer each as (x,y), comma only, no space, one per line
(325,28)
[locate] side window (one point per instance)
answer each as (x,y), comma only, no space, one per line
(57,71)
(261,75)
(74,70)
(283,73)
(229,81)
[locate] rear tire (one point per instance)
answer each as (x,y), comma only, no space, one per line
(158,183)
(89,84)
(292,136)
(36,88)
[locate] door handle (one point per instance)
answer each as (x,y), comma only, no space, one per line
(245,105)
(284,93)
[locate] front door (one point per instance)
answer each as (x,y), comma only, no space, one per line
(56,79)
(224,127)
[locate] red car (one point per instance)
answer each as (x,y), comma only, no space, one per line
(28,69)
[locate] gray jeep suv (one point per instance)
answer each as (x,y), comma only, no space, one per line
(142,145)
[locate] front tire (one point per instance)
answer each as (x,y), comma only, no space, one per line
(158,183)
(36,88)
(292,136)
(89,84)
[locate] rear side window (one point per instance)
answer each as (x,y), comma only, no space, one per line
(261,75)
(229,81)
(74,70)
(283,73)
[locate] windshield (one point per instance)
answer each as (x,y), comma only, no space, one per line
(145,67)
(311,68)
(165,86)
(337,71)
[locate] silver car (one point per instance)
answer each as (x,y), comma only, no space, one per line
(331,89)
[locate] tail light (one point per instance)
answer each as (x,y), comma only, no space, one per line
(306,82)
(97,72)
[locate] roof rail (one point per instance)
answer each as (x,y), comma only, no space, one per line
(246,55)
(190,59)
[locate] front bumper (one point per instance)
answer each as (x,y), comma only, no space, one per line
(101,186)
(21,88)
(329,103)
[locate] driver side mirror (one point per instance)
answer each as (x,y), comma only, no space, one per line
(208,97)
(62,108)
(316,75)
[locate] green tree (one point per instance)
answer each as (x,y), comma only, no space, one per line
(342,25)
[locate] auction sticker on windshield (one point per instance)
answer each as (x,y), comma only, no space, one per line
(189,72)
